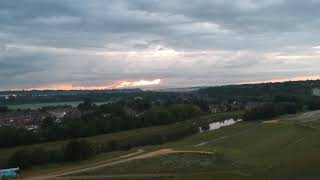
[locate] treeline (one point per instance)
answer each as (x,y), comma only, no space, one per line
(270,110)
(77,150)
(4,109)
(95,120)
(294,91)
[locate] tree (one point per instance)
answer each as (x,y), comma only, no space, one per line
(40,156)
(158,116)
(4,109)
(184,111)
(76,150)
(264,111)
(16,136)
(47,123)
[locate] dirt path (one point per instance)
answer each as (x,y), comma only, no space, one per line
(271,121)
(128,158)
(156,175)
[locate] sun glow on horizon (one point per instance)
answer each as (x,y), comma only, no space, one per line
(116,85)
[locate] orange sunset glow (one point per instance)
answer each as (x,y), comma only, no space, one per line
(116,85)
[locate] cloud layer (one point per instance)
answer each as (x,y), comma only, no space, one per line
(184,43)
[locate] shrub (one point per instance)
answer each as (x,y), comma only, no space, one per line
(40,156)
(21,158)
(76,150)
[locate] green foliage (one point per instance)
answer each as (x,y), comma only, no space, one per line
(3,109)
(270,110)
(184,111)
(40,156)
(165,115)
(21,158)
(158,116)
(76,150)
(314,103)
(13,136)
(47,123)
(26,158)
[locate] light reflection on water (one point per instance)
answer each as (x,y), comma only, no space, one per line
(218,125)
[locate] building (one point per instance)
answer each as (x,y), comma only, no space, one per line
(68,113)
(23,119)
(57,113)
(316,91)
(252,105)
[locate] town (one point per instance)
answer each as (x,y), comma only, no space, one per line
(31,118)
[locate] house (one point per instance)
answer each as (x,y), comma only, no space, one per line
(251,105)
(69,113)
(217,108)
(57,113)
(214,109)
(26,119)
(316,91)
(73,113)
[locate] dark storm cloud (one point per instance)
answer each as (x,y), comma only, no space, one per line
(95,42)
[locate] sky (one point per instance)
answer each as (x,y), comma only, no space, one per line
(101,44)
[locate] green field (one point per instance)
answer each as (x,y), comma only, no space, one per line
(286,148)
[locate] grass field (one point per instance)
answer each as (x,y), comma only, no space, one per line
(286,148)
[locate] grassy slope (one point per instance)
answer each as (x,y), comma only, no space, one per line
(288,149)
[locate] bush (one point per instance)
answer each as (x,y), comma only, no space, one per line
(76,150)
(21,158)
(314,104)
(4,109)
(40,156)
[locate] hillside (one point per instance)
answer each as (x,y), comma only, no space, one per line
(282,148)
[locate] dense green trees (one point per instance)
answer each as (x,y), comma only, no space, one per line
(165,115)
(27,158)
(73,151)
(314,103)
(107,118)
(4,109)
(21,158)
(270,110)
(16,136)
(76,150)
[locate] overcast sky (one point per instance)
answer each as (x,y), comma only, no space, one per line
(82,43)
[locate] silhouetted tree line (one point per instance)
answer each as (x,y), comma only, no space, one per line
(4,109)
(270,110)
(97,120)
(77,150)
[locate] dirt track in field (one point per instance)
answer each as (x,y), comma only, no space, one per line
(124,159)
